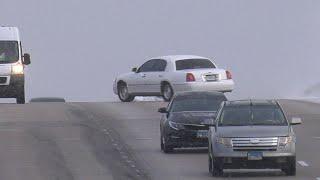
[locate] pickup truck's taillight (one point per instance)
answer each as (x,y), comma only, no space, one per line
(229,75)
(190,77)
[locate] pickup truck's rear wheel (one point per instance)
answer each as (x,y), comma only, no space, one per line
(290,168)
(167,92)
(123,93)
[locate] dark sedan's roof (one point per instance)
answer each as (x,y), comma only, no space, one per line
(251,102)
(198,93)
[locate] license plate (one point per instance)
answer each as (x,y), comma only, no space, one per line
(202,134)
(211,77)
(254,156)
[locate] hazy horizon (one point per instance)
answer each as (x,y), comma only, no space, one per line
(78,48)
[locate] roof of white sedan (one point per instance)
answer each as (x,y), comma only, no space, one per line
(179,57)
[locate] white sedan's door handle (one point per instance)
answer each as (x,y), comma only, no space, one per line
(143,75)
(160,76)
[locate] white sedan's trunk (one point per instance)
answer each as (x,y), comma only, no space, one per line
(207,75)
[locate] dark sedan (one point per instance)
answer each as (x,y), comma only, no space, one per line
(182,121)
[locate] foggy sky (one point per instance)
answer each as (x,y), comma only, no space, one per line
(79,47)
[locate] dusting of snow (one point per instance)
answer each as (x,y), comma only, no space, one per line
(148,98)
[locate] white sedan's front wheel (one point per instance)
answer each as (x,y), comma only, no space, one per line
(167,92)
(123,93)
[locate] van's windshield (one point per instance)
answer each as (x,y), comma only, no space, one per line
(9,51)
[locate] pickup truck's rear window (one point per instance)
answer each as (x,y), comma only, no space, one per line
(194,64)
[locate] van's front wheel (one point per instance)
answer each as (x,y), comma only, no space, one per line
(20,96)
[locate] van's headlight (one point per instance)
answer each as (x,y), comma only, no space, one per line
(224,141)
(176,126)
(17,69)
(283,141)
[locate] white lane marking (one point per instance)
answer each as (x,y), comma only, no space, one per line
(302,163)
(318,178)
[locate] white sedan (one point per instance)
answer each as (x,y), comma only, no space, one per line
(163,76)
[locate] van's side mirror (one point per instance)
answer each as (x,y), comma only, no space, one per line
(163,110)
(134,69)
(26,59)
(295,121)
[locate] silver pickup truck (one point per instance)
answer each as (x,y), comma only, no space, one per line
(252,134)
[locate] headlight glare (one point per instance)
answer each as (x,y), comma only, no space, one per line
(17,69)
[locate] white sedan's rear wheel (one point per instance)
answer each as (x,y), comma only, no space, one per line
(123,93)
(167,92)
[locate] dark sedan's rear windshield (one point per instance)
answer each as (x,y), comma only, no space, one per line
(194,64)
(199,103)
(252,116)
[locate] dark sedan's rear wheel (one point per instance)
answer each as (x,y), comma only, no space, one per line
(215,166)
(123,93)
(164,146)
(290,168)
(167,92)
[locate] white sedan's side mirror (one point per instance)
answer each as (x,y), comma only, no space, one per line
(296,121)
(134,69)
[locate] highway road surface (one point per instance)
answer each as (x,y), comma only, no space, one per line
(113,140)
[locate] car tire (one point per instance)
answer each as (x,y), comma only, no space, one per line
(161,143)
(165,148)
(167,92)
(123,93)
(215,167)
(290,168)
(20,97)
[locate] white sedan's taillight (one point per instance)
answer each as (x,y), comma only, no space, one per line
(190,77)
(229,75)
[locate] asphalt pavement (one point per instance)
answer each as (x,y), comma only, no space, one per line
(113,140)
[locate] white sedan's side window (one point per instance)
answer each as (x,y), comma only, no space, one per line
(160,65)
(147,66)
(153,65)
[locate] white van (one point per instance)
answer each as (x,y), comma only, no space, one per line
(12,64)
